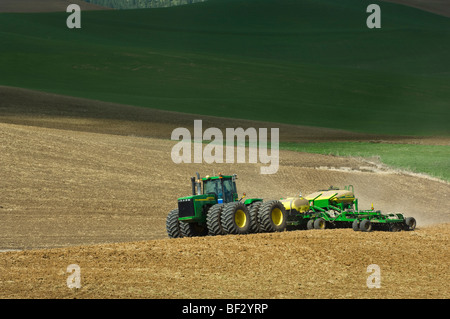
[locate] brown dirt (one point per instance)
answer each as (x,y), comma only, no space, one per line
(45,5)
(440,7)
(95,190)
(298,264)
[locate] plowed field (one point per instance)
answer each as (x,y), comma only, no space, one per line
(93,188)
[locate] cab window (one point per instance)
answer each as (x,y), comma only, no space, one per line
(212,186)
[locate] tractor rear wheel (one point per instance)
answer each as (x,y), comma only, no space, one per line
(213,218)
(272,216)
(365,225)
(254,211)
(235,218)
(173,224)
(193,229)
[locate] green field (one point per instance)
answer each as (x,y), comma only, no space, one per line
(311,62)
(433,160)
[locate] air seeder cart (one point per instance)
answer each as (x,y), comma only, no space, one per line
(338,208)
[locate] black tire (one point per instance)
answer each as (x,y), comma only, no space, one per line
(310,224)
(355,225)
(272,216)
(394,227)
(235,219)
(365,225)
(320,223)
(213,218)
(193,229)
(410,223)
(173,224)
(254,211)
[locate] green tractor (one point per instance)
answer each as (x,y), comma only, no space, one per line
(216,209)
(338,208)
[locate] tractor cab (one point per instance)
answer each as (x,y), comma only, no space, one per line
(223,186)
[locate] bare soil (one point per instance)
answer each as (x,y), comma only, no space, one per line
(91,183)
(297,264)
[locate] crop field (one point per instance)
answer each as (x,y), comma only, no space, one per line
(86,174)
(309,60)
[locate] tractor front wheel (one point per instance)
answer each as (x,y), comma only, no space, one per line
(213,218)
(173,224)
(193,229)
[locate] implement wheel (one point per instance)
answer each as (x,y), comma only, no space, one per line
(394,227)
(355,225)
(365,225)
(272,216)
(320,223)
(410,223)
(310,224)
(235,218)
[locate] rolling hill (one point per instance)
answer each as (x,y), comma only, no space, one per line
(314,62)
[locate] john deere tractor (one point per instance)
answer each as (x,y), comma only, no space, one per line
(214,208)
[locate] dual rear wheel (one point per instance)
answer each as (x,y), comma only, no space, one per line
(237,218)
(272,217)
(232,218)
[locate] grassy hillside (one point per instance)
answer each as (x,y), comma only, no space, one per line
(433,160)
(298,62)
